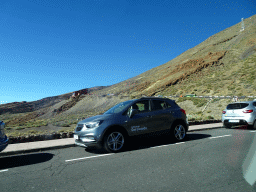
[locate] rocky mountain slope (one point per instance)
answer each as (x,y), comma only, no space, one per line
(224,64)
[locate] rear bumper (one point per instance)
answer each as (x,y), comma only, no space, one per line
(240,122)
(3,143)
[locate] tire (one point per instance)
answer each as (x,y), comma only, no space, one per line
(178,132)
(114,141)
(89,149)
(253,127)
(227,126)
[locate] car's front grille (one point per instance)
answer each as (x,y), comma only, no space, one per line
(79,127)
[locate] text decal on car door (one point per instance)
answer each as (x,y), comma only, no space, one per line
(138,128)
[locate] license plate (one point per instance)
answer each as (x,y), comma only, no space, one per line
(75,136)
(233,121)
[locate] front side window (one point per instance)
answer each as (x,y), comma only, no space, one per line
(119,107)
(141,106)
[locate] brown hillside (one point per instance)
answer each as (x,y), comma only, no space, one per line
(210,68)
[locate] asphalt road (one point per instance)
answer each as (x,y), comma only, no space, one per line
(210,160)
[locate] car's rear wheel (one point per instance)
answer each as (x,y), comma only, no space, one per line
(114,141)
(227,125)
(253,126)
(178,132)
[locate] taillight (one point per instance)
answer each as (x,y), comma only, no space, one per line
(183,111)
(248,111)
(223,112)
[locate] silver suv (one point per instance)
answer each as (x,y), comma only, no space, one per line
(240,113)
(130,118)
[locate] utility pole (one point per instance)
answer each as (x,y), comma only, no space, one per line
(242,24)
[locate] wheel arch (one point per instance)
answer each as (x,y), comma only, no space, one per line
(112,128)
(182,122)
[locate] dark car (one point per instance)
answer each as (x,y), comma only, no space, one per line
(130,118)
(3,138)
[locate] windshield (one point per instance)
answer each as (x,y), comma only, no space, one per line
(119,107)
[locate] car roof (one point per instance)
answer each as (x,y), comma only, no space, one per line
(160,98)
(243,102)
(153,98)
(157,98)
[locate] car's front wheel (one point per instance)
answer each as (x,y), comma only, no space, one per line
(114,141)
(178,132)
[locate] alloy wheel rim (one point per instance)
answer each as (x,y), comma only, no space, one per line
(179,132)
(115,141)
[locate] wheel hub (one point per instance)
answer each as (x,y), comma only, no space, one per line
(180,132)
(115,141)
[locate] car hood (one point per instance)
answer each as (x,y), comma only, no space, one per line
(96,118)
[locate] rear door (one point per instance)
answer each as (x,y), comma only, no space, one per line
(162,115)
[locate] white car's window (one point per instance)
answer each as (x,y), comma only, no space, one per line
(237,105)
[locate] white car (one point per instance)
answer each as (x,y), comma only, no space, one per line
(240,113)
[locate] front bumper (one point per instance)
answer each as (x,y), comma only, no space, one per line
(83,142)
(3,143)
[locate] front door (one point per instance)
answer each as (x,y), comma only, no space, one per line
(140,123)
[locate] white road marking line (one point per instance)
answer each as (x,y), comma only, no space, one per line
(219,136)
(4,170)
(252,131)
(89,157)
(159,146)
(178,143)
(167,145)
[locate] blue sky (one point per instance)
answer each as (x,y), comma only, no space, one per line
(52,47)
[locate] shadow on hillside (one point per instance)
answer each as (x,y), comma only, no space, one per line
(143,142)
(22,160)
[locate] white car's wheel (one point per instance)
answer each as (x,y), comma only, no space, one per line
(227,126)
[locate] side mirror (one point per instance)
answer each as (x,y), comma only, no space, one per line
(133,112)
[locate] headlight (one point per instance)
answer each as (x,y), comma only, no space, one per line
(91,125)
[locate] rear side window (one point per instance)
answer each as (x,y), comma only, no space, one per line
(158,104)
(171,103)
(254,104)
(237,105)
